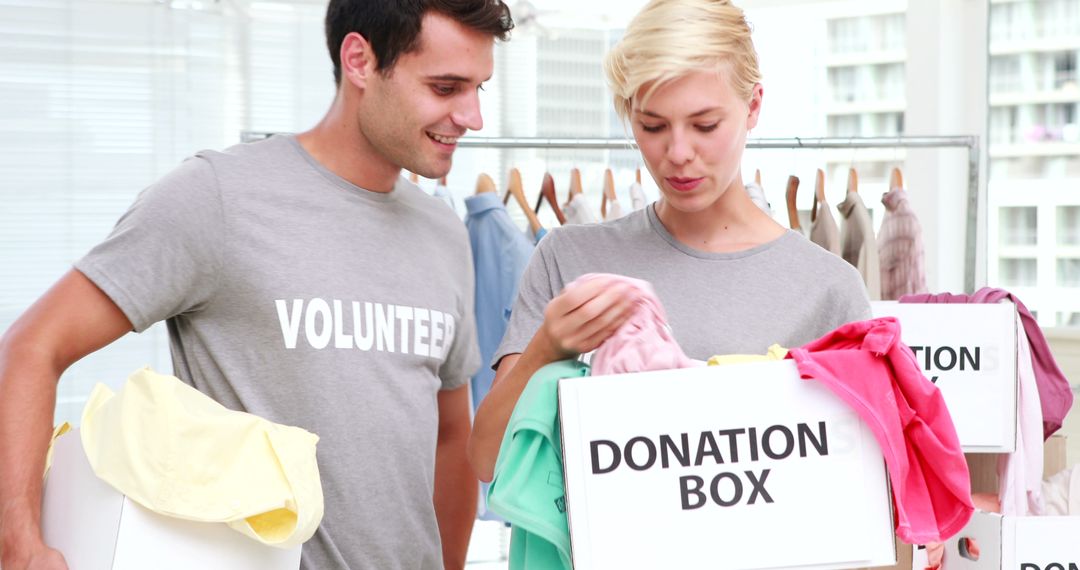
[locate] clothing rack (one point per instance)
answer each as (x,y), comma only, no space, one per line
(970,142)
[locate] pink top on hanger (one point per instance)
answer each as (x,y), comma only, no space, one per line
(644,341)
(877,375)
(1055,394)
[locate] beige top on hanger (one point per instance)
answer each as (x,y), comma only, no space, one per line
(575,183)
(484,183)
(515,189)
(609,192)
(823,231)
(792,208)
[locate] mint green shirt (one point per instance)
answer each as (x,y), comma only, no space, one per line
(528,489)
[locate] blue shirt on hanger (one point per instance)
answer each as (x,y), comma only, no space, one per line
(500,253)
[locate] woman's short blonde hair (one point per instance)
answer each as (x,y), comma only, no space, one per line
(670,38)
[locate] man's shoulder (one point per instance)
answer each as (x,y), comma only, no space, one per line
(257,154)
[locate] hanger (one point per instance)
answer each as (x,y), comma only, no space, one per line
(852,180)
(547,192)
(792,208)
(516,190)
(484,183)
(575,183)
(442,181)
(896,179)
(637,175)
(757,176)
(819,193)
(609,192)
(414,178)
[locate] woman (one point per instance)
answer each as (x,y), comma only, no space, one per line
(731,279)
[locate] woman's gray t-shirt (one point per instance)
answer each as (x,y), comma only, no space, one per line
(788,291)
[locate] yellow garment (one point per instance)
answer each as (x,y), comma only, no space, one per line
(57,432)
(776,352)
(178,453)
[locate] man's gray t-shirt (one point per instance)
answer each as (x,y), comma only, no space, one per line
(788,291)
(294,295)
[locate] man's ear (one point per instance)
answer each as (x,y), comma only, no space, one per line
(358,61)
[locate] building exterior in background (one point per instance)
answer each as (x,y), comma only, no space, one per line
(1034,131)
(865,68)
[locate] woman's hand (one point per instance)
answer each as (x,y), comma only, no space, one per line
(581,318)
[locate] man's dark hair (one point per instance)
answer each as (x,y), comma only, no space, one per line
(392,27)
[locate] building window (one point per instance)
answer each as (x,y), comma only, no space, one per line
(845,36)
(890,80)
(1068,225)
(1005,74)
(845,126)
(1003,124)
(1068,319)
(894,32)
(1068,272)
(1065,69)
(1019,226)
(842,83)
(1018,271)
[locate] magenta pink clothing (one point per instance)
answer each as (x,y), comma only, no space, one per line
(644,342)
(877,375)
(1055,394)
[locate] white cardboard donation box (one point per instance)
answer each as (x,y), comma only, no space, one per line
(969,352)
(1011,543)
(739,466)
(96,527)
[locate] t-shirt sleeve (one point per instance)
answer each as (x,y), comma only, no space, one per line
(537,287)
(164,255)
(463,360)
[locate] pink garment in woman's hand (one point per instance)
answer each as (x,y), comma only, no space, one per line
(644,342)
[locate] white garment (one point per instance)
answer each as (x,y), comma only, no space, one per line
(757,194)
(1020,473)
(576,210)
(637,197)
(614,211)
(1061,493)
(443,193)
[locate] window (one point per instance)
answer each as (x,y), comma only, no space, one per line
(1003,125)
(894,32)
(1065,69)
(1068,225)
(1004,74)
(845,126)
(1068,272)
(842,82)
(890,80)
(1018,272)
(1018,226)
(1068,319)
(101,98)
(845,35)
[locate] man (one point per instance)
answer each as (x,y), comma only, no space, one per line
(304,281)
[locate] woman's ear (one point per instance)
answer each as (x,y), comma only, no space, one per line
(755,106)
